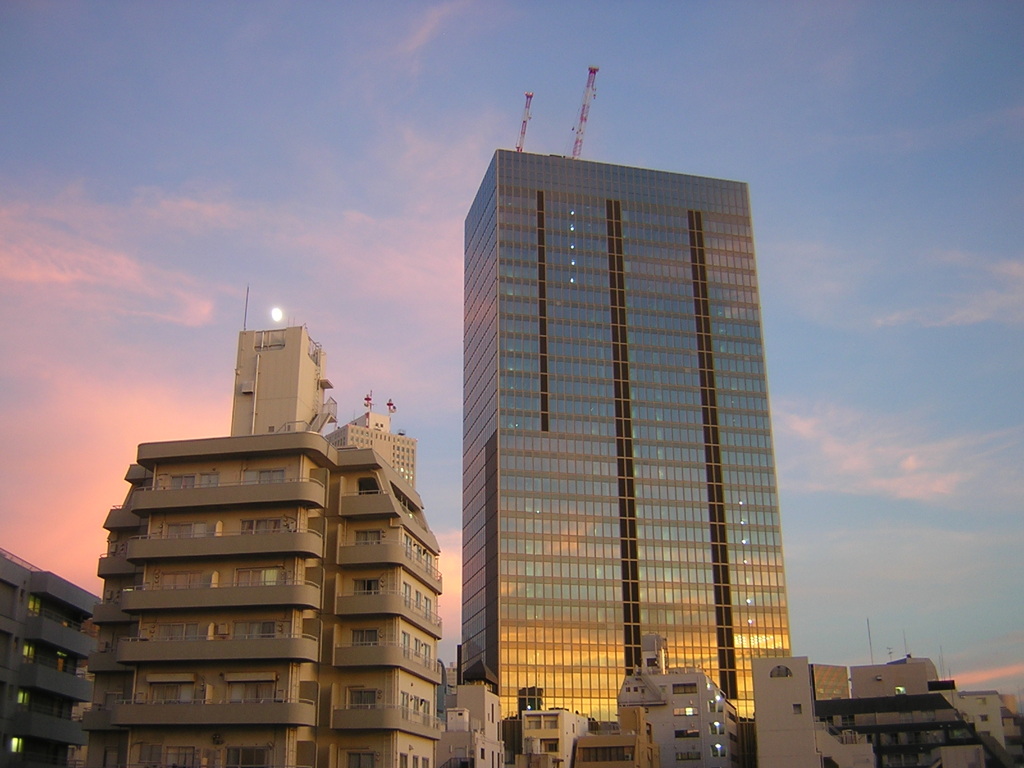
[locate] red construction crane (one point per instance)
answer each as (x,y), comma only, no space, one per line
(581,126)
(526,119)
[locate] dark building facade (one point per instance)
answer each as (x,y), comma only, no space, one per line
(43,648)
(618,465)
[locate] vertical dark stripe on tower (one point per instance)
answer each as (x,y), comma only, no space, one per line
(712,461)
(623,440)
(542,311)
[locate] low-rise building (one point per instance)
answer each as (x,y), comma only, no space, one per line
(691,720)
(549,738)
(470,738)
(631,745)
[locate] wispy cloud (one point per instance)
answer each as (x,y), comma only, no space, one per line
(837,449)
(429,25)
(994,292)
(75,252)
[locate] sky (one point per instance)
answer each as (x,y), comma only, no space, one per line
(159,160)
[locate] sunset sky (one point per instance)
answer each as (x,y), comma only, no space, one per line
(158,158)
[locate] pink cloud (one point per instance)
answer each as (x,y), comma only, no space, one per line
(71,254)
(838,449)
(428,26)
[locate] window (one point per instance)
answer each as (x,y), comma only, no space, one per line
(403,761)
(901,690)
(798,709)
(171,693)
(367,586)
(360,760)
(263,525)
(362,698)
(717,750)
(251,691)
(247,757)
(182,481)
(369,537)
(178,631)
(150,754)
(181,580)
(365,637)
(248,630)
(415,761)
(716,728)
(185,530)
(368,485)
(183,757)
(209,480)
(549,745)
(263,476)
(258,577)
(781,671)
(687,733)
(684,711)
(684,687)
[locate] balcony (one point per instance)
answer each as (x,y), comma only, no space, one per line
(302,543)
(368,505)
(300,594)
(49,727)
(62,683)
(97,718)
(304,492)
(389,552)
(386,718)
(376,603)
(121,518)
(295,712)
(139,650)
(114,565)
(387,655)
(60,632)
(110,612)
(104,660)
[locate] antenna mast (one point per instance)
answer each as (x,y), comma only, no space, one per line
(581,126)
(526,119)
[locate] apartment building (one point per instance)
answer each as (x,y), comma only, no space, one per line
(269,599)
(44,641)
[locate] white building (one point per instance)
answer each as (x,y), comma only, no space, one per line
(692,722)
(373,430)
(549,737)
(470,739)
(788,734)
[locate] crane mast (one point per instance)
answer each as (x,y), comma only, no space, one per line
(526,119)
(588,95)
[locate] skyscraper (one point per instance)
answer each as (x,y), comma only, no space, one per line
(618,467)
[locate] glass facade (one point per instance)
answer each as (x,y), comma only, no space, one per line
(619,477)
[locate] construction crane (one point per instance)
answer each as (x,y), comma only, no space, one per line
(526,119)
(581,126)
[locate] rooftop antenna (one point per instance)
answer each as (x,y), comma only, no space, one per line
(871,649)
(245,312)
(581,125)
(526,119)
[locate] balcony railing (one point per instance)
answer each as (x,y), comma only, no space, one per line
(416,609)
(414,557)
